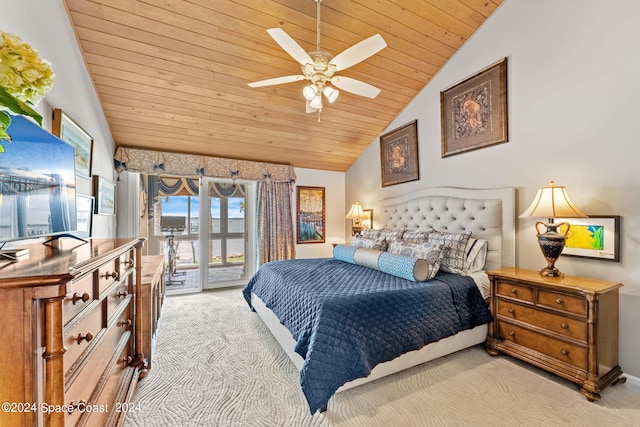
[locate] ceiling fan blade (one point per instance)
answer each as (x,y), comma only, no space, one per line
(277,81)
(358,52)
(290,45)
(355,86)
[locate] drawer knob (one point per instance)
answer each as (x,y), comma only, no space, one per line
(564,352)
(123,294)
(76,405)
(128,263)
(512,334)
(514,291)
(126,360)
(125,323)
(76,297)
(113,275)
(511,310)
(560,301)
(88,337)
(564,325)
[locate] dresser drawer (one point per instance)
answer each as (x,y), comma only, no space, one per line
(563,325)
(570,353)
(117,295)
(107,274)
(523,293)
(79,336)
(563,302)
(78,299)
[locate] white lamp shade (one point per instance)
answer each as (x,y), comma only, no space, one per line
(330,93)
(356,212)
(316,102)
(309,92)
(552,202)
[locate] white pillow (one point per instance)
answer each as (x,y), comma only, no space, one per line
(475,255)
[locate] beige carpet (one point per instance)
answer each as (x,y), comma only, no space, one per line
(217,365)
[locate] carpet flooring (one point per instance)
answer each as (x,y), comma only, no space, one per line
(216,364)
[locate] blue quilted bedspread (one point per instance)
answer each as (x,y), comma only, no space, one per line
(348,318)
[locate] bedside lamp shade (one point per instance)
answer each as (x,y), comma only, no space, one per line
(552,202)
(356,215)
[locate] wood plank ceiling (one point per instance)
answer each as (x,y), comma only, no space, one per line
(172,74)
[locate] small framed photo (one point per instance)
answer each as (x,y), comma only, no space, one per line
(105,196)
(69,131)
(399,155)
(597,236)
(84,215)
(368,222)
(310,214)
(474,111)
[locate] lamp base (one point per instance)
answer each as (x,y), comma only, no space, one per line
(551,244)
(551,272)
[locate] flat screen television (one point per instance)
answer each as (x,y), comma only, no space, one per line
(37,184)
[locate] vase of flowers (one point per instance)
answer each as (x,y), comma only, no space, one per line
(25,79)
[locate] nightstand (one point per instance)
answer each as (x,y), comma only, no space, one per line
(565,325)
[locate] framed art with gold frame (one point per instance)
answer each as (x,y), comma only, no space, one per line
(310,214)
(399,155)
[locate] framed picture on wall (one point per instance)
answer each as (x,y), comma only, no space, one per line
(69,131)
(597,236)
(105,195)
(84,214)
(399,155)
(310,214)
(368,222)
(474,111)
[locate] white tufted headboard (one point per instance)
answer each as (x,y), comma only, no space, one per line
(488,213)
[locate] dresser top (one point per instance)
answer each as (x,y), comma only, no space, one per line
(585,284)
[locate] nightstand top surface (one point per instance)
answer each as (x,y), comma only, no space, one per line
(586,284)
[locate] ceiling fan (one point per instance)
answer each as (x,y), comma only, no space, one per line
(320,67)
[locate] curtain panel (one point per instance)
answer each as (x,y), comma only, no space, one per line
(275,222)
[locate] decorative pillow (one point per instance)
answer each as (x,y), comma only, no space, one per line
(390,235)
(344,253)
(367,257)
(360,242)
(370,233)
(431,251)
(414,269)
(453,246)
(415,236)
(475,255)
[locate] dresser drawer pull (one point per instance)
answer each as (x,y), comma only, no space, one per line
(125,323)
(564,352)
(128,263)
(113,275)
(511,310)
(560,301)
(126,360)
(88,337)
(76,297)
(122,294)
(564,325)
(73,405)
(512,334)
(514,291)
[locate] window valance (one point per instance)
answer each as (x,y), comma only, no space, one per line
(191,165)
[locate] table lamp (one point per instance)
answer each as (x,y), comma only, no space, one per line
(552,202)
(356,215)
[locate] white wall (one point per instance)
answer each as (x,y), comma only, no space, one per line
(572,89)
(45,26)
(333,183)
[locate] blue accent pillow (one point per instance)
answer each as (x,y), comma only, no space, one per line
(344,253)
(414,269)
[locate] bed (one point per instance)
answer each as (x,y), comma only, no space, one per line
(345,323)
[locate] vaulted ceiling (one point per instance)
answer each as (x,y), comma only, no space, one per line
(172,75)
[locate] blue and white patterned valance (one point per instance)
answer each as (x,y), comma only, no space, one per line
(191,165)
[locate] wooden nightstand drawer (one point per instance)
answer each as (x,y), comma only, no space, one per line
(523,293)
(559,324)
(567,352)
(563,302)
(107,274)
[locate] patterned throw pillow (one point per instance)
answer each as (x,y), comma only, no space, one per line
(415,236)
(344,253)
(360,242)
(390,235)
(370,233)
(453,246)
(414,269)
(429,251)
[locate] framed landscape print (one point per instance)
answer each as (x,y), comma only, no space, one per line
(474,111)
(105,195)
(399,155)
(69,131)
(84,214)
(310,214)
(597,236)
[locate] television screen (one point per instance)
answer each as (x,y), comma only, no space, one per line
(37,183)
(173,223)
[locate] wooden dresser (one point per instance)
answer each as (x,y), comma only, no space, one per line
(567,326)
(152,299)
(72,344)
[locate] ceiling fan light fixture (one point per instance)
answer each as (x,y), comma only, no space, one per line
(316,102)
(309,92)
(330,93)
